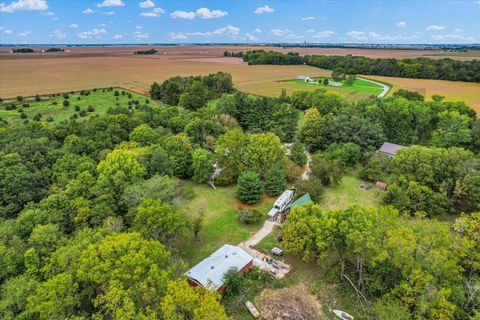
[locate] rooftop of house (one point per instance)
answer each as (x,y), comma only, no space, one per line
(300,201)
(210,271)
(390,148)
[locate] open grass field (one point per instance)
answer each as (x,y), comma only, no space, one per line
(452,90)
(221,223)
(52,108)
(359,85)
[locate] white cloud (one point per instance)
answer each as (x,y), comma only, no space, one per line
(205,13)
(401,24)
(228,30)
(91,33)
(8,31)
(139,27)
(178,36)
(308,18)
(109,13)
(285,34)
(458,30)
(73,26)
(264,9)
(58,34)
(102,24)
(138,35)
(250,37)
(24,34)
(118,36)
(49,13)
(323,34)
(146,4)
(257,30)
(88,11)
(178,14)
(154,13)
(453,37)
(111,3)
(434,27)
(26,5)
(311,30)
(357,35)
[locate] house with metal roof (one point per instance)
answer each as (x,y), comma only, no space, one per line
(209,273)
(390,149)
(304,78)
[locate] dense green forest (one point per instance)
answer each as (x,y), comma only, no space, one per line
(421,68)
(90,225)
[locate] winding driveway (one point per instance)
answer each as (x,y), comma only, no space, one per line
(385,87)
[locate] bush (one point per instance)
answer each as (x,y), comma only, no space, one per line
(250,188)
(313,186)
(249,216)
(37,98)
(54,103)
(66,96)
(372,171)
(50,119)
(23,116)
(66,103)
(116,94)
(90,109)
(77,108)
(19,98)
(82,113)
(297,153)
(347,154)
(37,117)
(275,182)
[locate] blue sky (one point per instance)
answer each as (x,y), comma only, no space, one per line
(321,21)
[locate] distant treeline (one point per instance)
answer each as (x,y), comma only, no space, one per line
(151,51)
(422,68)
(53,49)
(238,54)
(22,50)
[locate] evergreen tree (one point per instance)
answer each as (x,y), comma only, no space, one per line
(250,188)
(297,153)
(275,182)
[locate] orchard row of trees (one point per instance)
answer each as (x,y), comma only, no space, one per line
(422,68)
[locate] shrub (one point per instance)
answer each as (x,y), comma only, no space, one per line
(347,154)
(26,105)
(37,98)
(50,119)
(250,188)
(66,96)
(372,171)
(297,153)
(313,186)
(54,103)
(249,216)
(77,108)
(23,116)
(83,113)
(19,98)
(116,94)
(66,103)
(90,109)
(37,117)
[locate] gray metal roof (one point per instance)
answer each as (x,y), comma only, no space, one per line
(302,77)
(390,148)
(210,271)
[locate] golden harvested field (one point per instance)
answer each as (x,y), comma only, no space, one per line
(452,90)
(90,67)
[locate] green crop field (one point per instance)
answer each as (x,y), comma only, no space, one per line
(51,107)
(359,85)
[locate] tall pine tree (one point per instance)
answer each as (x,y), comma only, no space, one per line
(275,182)
(297,153)
(250,188)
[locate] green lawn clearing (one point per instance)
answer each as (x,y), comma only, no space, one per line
(359,85)
(51,107)
(221,223)
(348,192)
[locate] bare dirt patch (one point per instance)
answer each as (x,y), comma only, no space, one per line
(290,303)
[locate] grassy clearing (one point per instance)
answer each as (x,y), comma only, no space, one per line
(359,85)
(221,223)
(347,193)
(101,100)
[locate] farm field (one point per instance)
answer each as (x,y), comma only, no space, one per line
(359,85)
(468,92)
(52,108)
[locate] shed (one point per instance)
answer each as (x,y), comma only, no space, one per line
(304,78)
(272,214)
(300,201)
(285,198)
(390,149)
(210,272)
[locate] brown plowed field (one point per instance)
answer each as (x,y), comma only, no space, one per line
(89,67)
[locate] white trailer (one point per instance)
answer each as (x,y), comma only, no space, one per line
(284,200)
(272,214)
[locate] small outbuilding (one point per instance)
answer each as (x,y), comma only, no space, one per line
(209,273)
(390,149)
(300,201)
(304,78)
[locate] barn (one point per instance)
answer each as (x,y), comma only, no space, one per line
(390,149)
(209,273)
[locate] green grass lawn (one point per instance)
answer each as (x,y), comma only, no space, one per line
(347,192)
(221,223)
(359,85)
(100,100)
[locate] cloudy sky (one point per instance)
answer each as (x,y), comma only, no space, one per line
(320,21)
